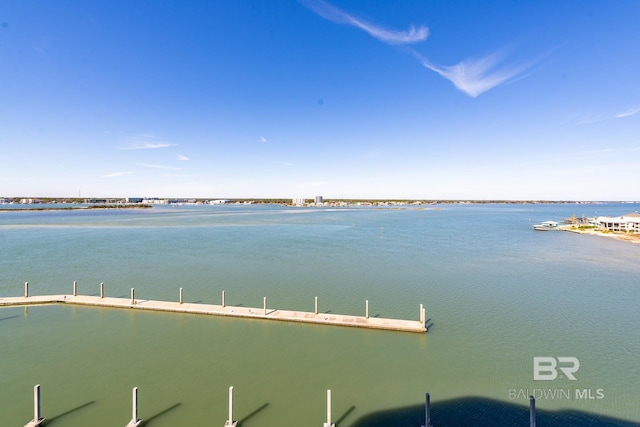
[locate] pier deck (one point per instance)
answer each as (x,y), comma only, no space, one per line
(219,310)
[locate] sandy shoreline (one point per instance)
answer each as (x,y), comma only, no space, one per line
(627,237)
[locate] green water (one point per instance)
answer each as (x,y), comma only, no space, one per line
(497,293)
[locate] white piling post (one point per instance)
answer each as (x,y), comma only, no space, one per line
(366,309)
(230,422)
(75,288)
(36,402)
(133,299)
(422,314)
(134,404)
(328,423)
(316,305)
(135,421)
(101,290)
(264,303)
(231,404)
(223,304)
(37,419)
(180,295)
(26,289)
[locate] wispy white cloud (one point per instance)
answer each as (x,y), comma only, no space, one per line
(476,76)
(181,157)
(283,163)
(147,165)
(471,76)
(263,139)
(584,119)
(628,113)
(146,142)
(334,14)
(117,174)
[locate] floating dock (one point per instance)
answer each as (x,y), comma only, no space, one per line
(264,312)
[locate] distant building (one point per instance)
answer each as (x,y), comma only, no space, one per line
(629,223)
(155,201)
(134,199)
(298,202)
(318,200)
(101,201)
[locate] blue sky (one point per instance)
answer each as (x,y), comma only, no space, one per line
(346,99)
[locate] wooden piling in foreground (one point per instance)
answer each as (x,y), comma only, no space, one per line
(230,421)
(37,418)
(532,411)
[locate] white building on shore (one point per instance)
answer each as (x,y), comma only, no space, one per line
(629,223)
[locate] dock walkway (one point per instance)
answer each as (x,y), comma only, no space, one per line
(219,310)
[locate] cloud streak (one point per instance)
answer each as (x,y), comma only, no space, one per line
(333,14)
(181,157)
(147,165)
(117,174)
(584,119)
(146,142)
(628,113)
(471,76)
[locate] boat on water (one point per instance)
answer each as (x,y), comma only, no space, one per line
(546,226)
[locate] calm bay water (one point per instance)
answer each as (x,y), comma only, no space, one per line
(497,293)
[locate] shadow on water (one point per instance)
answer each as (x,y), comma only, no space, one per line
(476,411)
(252,414)
(54,420)
(10,317)
(345,415)
(150,419)
(428,325)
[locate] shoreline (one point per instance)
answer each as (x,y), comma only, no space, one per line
(77,208)
(627,237)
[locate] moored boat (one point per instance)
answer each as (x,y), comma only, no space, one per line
(546,226)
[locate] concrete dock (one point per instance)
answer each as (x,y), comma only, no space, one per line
(224,310)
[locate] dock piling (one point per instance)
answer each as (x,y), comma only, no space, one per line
(230,422)
(135,421)
(366,309)
(75,288)
(532,411)
(316,306)
(101,289)
(328,423)
(422,314)
(26,289)
(133,298)
(37,419)
(180,295)
(264,303)
(427,412)
(223,304)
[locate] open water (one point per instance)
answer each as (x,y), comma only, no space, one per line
(497,295)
